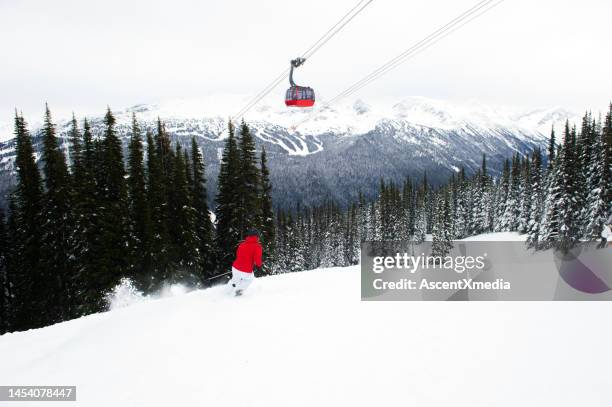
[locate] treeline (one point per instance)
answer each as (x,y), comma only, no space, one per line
(557,198)
(92,217)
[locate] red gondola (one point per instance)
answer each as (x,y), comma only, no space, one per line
(299,96)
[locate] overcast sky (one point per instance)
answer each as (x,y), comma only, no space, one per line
(84,55)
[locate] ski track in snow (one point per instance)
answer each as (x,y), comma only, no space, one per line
(306,339)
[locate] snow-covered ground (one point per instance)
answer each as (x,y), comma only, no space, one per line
(306,339)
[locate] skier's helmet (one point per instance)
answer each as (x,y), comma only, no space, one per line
(253,232)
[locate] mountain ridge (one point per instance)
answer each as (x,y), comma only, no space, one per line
(343,149)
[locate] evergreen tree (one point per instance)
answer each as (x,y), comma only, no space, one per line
(607,166)
(4,280)
(12,267)
(552,147)
(29,284)
(549,230)
(86,214)
(267,212)
(442,230)
(462,206)
(536,203)
(353,243)
(156,193)
(525,192)
(164,151)
(502,222)
(76,151)
(57,228)
(139,213)
(248,190)
(595,209)
(569,230)
(227,209)
(182,220)
(203,224)
(513,207)
(483,200)
(112,262)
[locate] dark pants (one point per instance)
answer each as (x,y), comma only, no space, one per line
(602,243)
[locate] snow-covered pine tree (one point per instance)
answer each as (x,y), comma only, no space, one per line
(4,281)
(353,243)
(526,195)
(294,260)
(139,211)
(464,221)
(75,151)
(159,248)
(607,168)
(57,256)
(185,242)
(502,200)
(78,238)
(536,203)
(87,212)
(385,208)
(266,209)
(227,204)
(279,260)
(551,222)
(364,218)
(552,147)
(442,230)
(595,211)
(420,224)
(583,151)
(112,253)
(569,230)
(11,251)
(373,224)
(483,200)
(247,193)
(409,206)
(27,277)
(429,202)
(203,223)
(511,216)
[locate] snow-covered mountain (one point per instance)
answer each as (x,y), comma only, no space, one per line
(306,339)
(336,151)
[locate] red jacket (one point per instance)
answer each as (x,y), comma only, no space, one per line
(248,254)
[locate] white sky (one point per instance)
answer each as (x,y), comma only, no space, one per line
(84,55)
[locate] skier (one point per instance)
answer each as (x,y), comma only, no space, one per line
(605,233)
(248,256)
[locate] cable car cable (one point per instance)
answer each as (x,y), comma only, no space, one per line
(442,32)
(330,33)
(433,38)
(418,47)
(306,54)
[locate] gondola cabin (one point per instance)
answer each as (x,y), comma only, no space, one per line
(300,96)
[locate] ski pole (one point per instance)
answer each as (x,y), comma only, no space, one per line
(219,275)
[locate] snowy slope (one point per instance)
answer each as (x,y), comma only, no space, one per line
(306,339)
